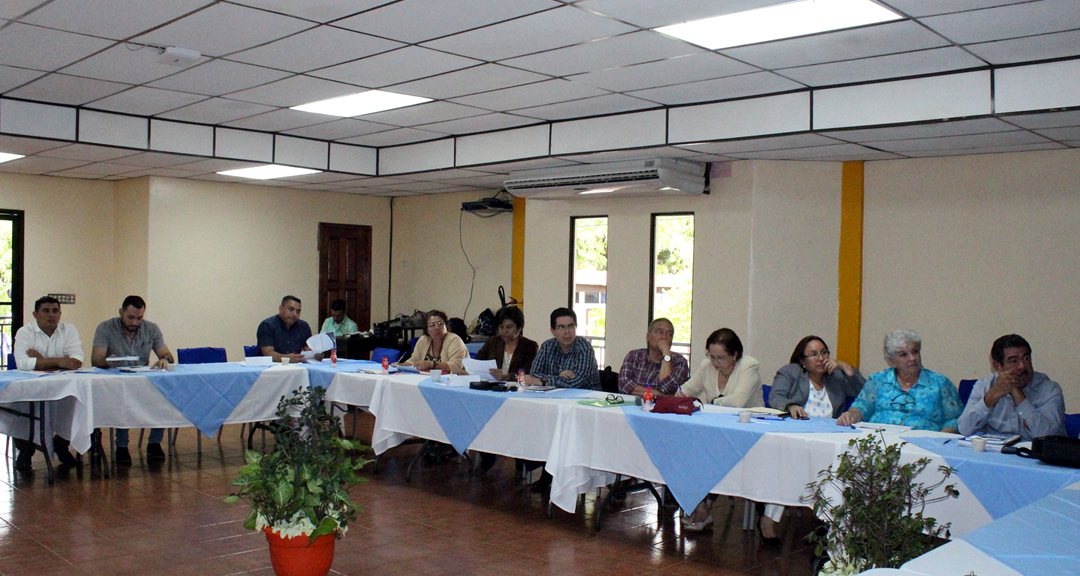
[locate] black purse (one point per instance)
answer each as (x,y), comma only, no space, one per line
(1056,450)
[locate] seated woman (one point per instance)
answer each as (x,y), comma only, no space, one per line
(510,350)
(724,378)
(813,385)
(438,349)
(906,394)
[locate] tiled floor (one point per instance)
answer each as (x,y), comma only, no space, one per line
(169,519)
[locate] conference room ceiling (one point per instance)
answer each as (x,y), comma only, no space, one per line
(489,66)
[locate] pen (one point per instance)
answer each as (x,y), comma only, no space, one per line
(947,441)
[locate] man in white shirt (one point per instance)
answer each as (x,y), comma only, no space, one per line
(46,344)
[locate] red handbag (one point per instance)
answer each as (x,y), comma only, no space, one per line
(676,405)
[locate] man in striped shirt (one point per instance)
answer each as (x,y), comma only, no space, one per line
(566,360)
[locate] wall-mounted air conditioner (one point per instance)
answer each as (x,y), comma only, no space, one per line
(658,177)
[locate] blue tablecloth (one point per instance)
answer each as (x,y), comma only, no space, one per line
(322,373)
(205,393)
(462,413)
(694,453)
(9,376)
(1041,538)
(1002,483)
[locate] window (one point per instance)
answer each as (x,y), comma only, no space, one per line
(672,283)
(11,276)
(588,280)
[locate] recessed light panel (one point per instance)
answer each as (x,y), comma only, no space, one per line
(5,157)
(780,21)
(268,172)
(361,103)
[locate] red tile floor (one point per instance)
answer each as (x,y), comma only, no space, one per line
(169,519)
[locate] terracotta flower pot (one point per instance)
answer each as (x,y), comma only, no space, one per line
(294,557)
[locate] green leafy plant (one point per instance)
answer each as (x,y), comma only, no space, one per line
(878,521)
(302,487)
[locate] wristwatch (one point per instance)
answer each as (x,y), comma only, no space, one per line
(667,358)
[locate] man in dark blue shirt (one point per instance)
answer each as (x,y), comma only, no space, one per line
(285,335)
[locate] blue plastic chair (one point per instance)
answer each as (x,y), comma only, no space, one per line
(11,362)
(765,390)
(250,351)
(391,355)
(473,348)
(206,355)
(965,390)
(1072,425)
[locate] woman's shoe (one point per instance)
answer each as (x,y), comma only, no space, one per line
(702,526)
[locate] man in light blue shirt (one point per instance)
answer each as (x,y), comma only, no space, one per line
(338,322)
(1014,399)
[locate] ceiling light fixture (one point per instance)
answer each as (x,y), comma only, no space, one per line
(786,20)
(268,172)
(5,157)
(180,57)
(361,103)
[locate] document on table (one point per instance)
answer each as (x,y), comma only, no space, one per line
(479,367)
(309,356)
(320,343)
(407,368)
(122,359)
(458,381)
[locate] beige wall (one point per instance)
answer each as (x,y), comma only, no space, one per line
(430,270)
(967,249)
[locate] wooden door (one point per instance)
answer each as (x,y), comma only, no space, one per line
(345,271)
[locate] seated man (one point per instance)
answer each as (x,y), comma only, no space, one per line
(1015,399)
(46,344)
(338,322)
(285,335)
(565,361)
(130,335)
(655,365)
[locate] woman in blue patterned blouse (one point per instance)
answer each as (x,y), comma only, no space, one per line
(906,394)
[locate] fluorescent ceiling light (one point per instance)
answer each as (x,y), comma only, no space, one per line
(268,172)
(780,21)
(5,157)
(362,103)
(599,190)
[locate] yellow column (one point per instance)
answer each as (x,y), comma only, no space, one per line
(517,259)
(849,322)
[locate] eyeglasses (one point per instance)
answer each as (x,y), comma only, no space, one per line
(823,354)
(614,399)
(566,327)
(902,404)
(718,358)
(436,324)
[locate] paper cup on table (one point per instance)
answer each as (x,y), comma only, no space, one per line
(284,359)
(978,444)
(171,367)
(436,375)
(744,416)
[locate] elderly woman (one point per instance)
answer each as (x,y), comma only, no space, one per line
(813,385)
(725,378)
(438,349)
(906,394)
(510,350)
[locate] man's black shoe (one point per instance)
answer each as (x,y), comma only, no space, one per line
(26,453)
(123,456)
(62,450)
(154,453)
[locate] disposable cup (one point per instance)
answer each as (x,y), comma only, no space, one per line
(744,416)
(284,359)
(978,444)
(436,375)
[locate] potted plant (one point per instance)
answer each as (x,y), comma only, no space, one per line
(299,493)
(878,520)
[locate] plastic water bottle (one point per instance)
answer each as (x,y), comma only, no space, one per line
(647,402)
(385,365)
(333,357)
(521,377)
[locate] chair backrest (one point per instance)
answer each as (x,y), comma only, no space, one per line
(412,346)
(391,355)
(609,380)
(1072,425)
(250,351)
(965,390)
(205,355)
(11,362)
(473,348)
(765,389)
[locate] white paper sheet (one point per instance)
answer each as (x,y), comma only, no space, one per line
(479,367)
(321,343)
(462,381)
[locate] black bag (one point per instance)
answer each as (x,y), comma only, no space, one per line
(1056,450)
(485,323)
(457,326)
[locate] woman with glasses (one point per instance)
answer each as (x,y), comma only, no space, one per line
(725,378)
(438,349)
(813,385)
(511,351)
(906,393)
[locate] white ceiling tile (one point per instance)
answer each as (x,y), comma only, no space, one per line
(1045,120)
(719,89)
(44,49)
(394,137)
(812,153)
(116,19)
(454,174)
(39,165)
(294,151)
(1029,48)
(556,28)
(608,104)
(36,119)
(166,172)
(533,141)
(12,9)
(317,10)
(219,165)
(64,89)
(931,130)
(609,132)
(278,120)
(537,94)
(10,77)
(395,67)
(156,160)
(338,129)
(931,7)
(636,154)
(842,45)
(245,144)
(880,67)
(219,77)
(508,167)
(1010,21)
(468,81)
(317,48)
(216,111)
(901,101)
(88,153)
(122,64)
(181,137)
(113,129)
(735,147)
(679,70)
(324,178)
(624,50)
(417,157)
(224,28)
(424,114)
(985,150)
(416,21)
(479,124)
(1062,134)
(1037,86)
(96,169)
(295,91)
(740,118)
(146,101)
(969,141)
(28,146)
(652,14)
(353,159)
